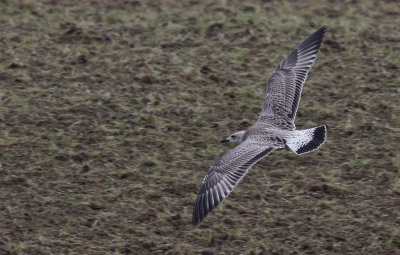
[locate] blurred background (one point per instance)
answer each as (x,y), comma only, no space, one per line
(111,113)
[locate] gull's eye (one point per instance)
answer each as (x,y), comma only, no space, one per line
(234,136)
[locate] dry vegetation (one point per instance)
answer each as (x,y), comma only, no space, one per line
(111,113)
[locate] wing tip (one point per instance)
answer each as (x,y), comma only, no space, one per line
(201,209)
(195,217)
(314,39)
(195,221)
(206,204)
(321,30)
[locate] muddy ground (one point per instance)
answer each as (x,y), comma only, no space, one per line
(111,113)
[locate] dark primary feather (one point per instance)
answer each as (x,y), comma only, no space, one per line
(225,174)
(286,82)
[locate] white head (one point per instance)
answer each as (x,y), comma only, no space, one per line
(234,138)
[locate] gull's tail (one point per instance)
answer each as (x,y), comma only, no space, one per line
(308,140)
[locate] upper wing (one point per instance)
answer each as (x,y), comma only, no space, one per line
(225,174)
(286,82)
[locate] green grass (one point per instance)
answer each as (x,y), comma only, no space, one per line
(111,113)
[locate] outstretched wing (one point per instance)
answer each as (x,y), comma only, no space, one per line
(225,174)
(286,82)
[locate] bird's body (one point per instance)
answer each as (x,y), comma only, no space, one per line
(274,129)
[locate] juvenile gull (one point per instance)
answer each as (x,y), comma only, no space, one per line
(273,130)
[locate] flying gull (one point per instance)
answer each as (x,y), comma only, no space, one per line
(273,130)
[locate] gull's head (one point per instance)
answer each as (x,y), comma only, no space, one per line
(234,138)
